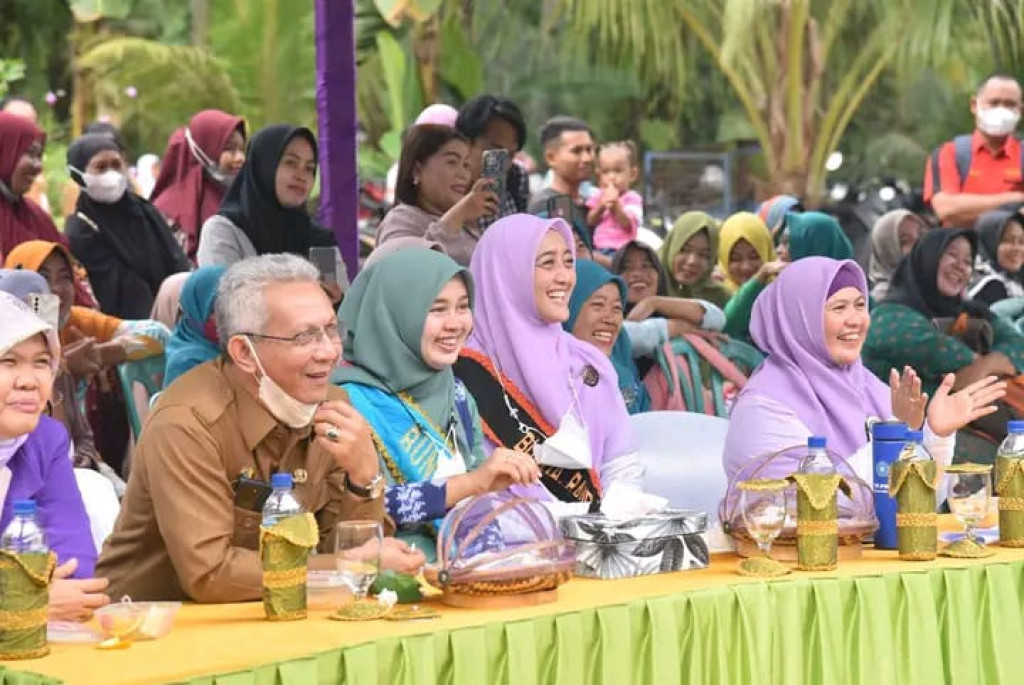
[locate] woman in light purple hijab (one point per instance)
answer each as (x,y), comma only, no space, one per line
(524,271)
(812,322)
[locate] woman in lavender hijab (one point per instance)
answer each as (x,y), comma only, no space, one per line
(34,462)
(532,381)
(812,322)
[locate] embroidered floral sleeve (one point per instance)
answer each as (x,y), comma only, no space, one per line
(414,503)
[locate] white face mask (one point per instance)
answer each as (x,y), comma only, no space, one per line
(283,406)
(568,447)
(211,167)
(108,187)
(997,121)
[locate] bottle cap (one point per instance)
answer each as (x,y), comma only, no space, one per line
(24,507)
(889,430)
(1015,426)
(816,442)
(915,436)
(281,480)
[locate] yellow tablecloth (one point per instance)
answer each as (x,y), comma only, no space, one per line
(225,639)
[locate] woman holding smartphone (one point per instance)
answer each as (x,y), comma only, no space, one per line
(436,199)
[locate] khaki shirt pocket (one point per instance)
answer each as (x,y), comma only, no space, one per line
(247,529)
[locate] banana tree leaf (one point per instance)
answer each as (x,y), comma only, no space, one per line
(460,66)
(86,11)
(394,60)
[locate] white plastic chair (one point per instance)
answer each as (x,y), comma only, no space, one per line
(681,453)
(682,456)
(101,504)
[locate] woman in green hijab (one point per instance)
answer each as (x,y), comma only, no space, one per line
(808,234)
(688,255)
(408,316)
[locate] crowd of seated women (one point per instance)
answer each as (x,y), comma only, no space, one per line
(480,348)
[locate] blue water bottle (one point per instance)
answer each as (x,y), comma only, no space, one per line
(887,441)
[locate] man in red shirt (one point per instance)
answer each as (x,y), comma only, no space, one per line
(994,175)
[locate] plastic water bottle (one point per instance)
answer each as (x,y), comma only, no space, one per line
(888,439)
(1010,521)
(817,460)
(913,448)
(282,503)
(24,534)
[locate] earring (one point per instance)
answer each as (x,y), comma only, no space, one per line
(416,181)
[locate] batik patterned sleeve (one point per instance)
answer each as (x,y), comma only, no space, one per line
(1008,340)
(900,336)
(414,503)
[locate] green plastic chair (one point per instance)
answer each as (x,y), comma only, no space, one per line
(149,373)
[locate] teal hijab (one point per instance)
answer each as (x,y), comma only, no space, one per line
(385,310)
(815,234)
(590,277)
(194,340)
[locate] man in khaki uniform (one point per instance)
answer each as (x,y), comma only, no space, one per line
(188,527)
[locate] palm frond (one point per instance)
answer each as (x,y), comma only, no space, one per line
(172,82)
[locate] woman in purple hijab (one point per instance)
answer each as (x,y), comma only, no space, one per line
(532,381)
(812,322)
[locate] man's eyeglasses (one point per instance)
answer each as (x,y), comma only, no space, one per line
(307,338)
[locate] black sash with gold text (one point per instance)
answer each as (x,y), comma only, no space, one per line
(502,428)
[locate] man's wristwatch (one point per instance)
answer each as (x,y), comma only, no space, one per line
(372,490)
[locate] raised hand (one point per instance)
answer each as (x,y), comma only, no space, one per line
(948,413)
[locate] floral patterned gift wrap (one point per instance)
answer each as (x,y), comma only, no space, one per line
(671,540)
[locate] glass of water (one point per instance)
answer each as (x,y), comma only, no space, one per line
(357,554)
(968,498)
(764,512)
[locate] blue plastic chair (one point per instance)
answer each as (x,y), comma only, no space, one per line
(149,373)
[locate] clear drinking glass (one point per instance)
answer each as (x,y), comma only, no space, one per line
(764,512)
(969,495)
(357,554)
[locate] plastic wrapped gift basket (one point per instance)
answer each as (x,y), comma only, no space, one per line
(500,550)
(856,510)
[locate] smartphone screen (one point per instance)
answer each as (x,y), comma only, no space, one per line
(560,207)
(495,167)
(325,259)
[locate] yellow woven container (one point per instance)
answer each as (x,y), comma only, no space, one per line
(24,594)
(1010,486)
(284,551)
(912,484)
(817,520)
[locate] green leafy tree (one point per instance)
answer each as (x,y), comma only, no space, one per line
(798,69)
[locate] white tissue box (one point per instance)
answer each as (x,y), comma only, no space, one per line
(671,540)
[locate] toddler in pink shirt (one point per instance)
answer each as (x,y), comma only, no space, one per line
(616,211)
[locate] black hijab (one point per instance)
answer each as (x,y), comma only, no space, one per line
(122,245)
(251,201)
(915,283)
(990,227)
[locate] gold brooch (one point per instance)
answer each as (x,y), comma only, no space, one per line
(300,476)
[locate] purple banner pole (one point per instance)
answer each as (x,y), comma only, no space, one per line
(336,112)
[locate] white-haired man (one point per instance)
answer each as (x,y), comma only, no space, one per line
(189,522)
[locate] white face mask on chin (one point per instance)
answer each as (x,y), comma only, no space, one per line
(997,121)
(284,407)
(568,447)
